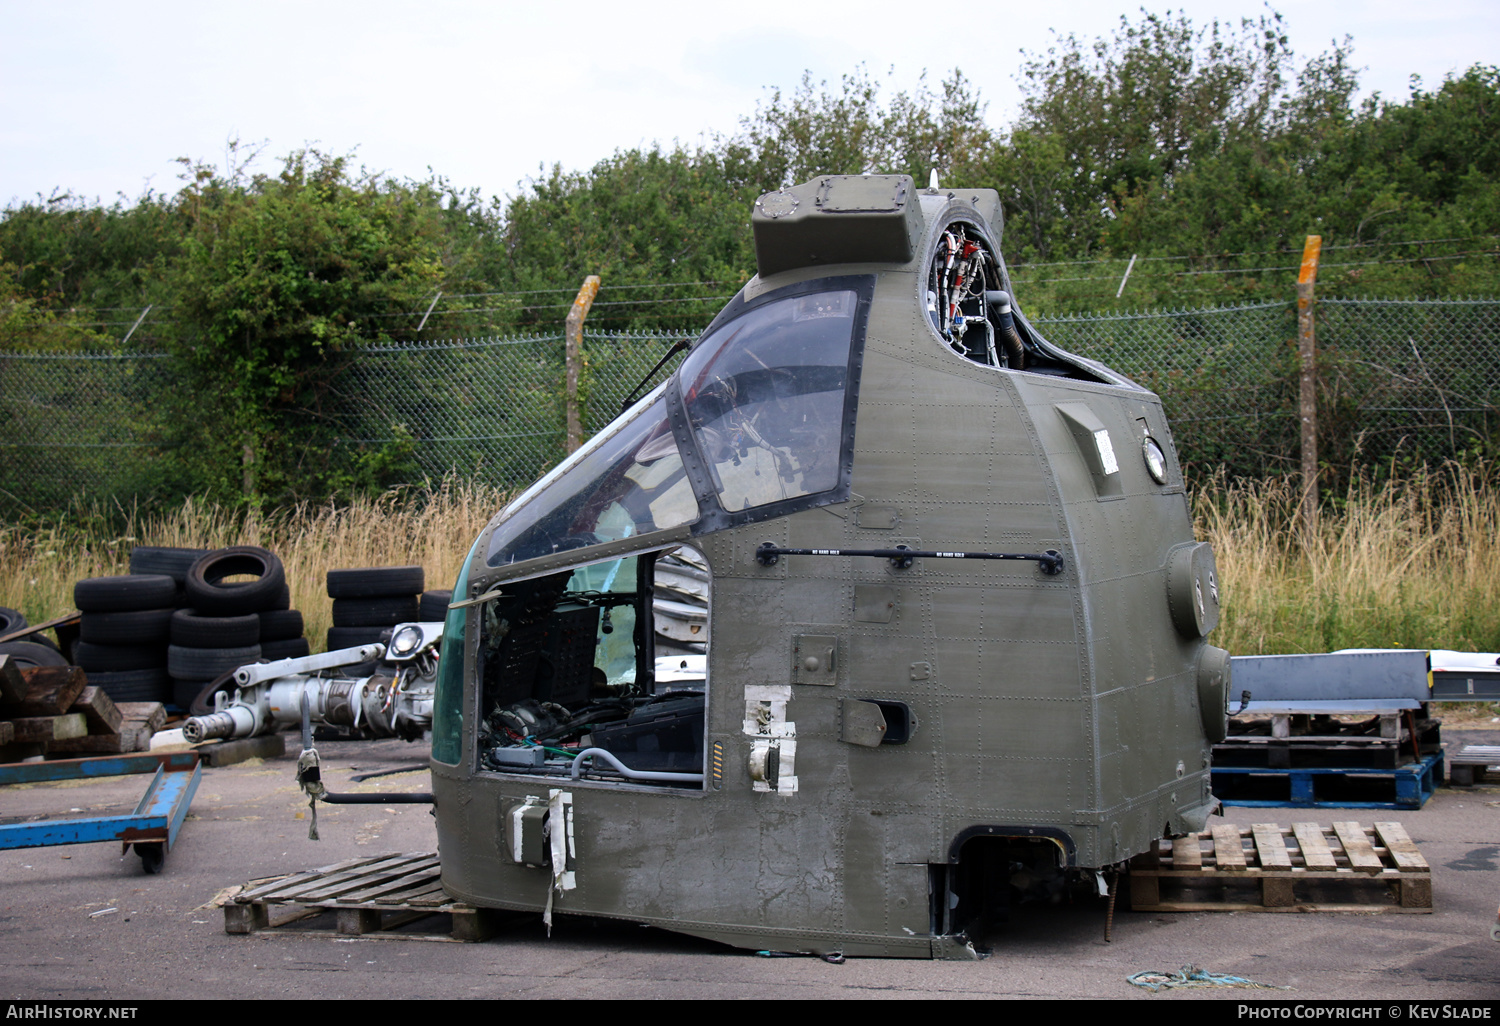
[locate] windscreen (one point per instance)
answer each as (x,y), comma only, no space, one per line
(765,398)
(629,482)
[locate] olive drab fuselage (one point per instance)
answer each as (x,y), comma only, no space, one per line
(820,756)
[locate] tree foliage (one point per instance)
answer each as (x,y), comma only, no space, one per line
(1208,152)
(276,279)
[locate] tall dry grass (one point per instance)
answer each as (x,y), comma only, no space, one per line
(1412,563)
(38,566)
(1409,563)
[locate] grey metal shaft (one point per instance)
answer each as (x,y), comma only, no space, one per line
(204,728)
(626,771)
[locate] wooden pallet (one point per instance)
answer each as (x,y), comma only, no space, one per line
(1269,868)
(375,896)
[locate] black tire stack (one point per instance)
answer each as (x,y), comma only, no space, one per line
(167,561)
(35,650)
(368,602)
(434,605)
(226,625)
(123,634)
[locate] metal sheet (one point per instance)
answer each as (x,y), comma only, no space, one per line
(1332,677)
(1332,708)
(102,766)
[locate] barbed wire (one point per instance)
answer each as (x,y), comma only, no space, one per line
(1257,252)
(1023,272)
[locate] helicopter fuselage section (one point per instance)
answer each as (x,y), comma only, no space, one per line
(815,759)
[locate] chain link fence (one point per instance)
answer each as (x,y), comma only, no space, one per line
(1398,380)
(1412,380)
(491,409)
(74,424)
(1227,377)
(1408,381)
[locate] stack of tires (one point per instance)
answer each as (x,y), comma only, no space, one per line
(433,608)
(228,624)
(368,602)
(123,634)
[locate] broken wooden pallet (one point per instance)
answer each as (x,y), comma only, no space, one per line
(52,710)
(1270,868)
(375,895)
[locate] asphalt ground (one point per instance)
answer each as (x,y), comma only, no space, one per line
(165,937)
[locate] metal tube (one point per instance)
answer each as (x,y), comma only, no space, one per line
(1051,561)
(235,721)
(626,771)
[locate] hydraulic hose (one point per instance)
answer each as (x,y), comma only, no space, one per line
(1015,351)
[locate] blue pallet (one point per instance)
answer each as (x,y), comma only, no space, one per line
(1408,787)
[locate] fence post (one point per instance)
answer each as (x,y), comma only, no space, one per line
(574,336)
(1307,352)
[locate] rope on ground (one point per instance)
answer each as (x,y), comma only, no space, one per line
(1191,976)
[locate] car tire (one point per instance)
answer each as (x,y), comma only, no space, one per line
(374,612)
(117,658)
(348,637)
(208,593)
(11,620)
(27,655)
(375,582)
(148,685)
(281,625)
(434,605)
(133,627)
(194,630)
(125,594)
(291,648)
(185,663)
(170,562)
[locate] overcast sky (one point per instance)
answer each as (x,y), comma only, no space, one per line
(97,98)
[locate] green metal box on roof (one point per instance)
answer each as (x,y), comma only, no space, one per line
(837,219)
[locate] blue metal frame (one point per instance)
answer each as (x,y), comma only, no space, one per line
(157,818)
(97,766)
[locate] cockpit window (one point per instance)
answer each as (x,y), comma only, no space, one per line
(759,417)
(629,482)
(601,671)
(765,396)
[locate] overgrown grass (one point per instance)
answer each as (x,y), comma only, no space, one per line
(39,565)
(1412,563)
